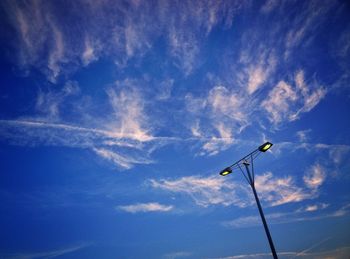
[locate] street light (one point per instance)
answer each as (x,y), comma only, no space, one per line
(226,171)
(247,162)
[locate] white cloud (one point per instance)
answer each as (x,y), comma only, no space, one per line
(311,208)
(137,34)
(286,102)
(303,27)
(272,190)
(195,130)
(205,191)
(57,54)
(175,255)
(249,221)
(223,113)
(165,88)
(257,63)
(184,48)
(23,28)
(47,254)
(303,135)
(345,210)
(129,111)
(315,177)
(124,161)
(48,103)
(337,253)
(269,6)
(31,38)
(214,145)
(279,101)
(260,72)
(224,103)
(107,144)
(146,207)
(310,102)
(277,191)
(195,105)
(224,132)
(185,41)
(287,217)
(316,207)
(89,54)
(338,153)
(134,30)
(256,78)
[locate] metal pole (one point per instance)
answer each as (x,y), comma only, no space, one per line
(252,184)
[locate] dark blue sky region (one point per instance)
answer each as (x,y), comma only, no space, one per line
(116,117)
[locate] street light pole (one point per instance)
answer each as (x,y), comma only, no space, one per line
(267,231)
(247,161)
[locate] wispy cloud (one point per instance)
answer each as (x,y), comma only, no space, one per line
(122,135)
(90,52)
(221,113)
(259,70)
(57,54)
(49,102)
(184,48)
(174,255)
(125,161)
(315,207)
(286,102)
(48,254)
(337,253)
(303,27)
(249,221)
(305,251)
(146,207)
(107,144)
(131,120)
(269,6)
(315,177)
(338,153)
(303,135)
(130,34)
(278,102)
(223,102)
(226,111)
(165,88)
(286,217)
(204,191)
(276,191)
(214,145)
(273,190)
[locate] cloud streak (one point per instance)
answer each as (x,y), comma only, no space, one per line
(204,191)
(337,253)
(274,191)
(48,254)
(146,207)
(286,217)
(107,144)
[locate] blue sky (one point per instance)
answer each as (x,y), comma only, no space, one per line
(116,117)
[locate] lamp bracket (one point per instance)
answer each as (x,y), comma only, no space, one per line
(246,162)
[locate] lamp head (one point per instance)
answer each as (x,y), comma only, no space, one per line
(266,146)
(226,171)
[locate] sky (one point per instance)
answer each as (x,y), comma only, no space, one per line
(116,118)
